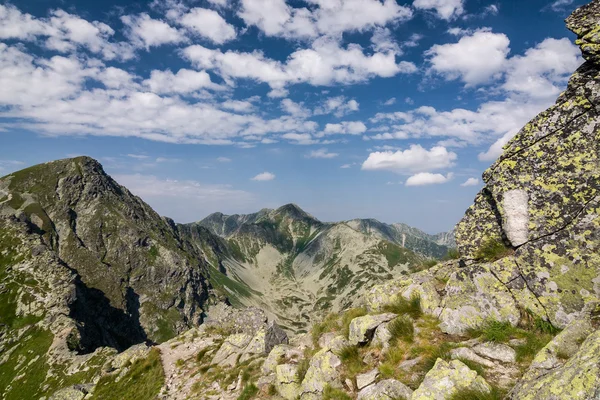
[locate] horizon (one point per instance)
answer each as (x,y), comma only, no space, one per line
(220,106)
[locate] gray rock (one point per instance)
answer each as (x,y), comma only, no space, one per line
(496,351)
(366,379)
(363,328)
(386,390)
(447,378)
(324,370)
(286,381)
(468,354)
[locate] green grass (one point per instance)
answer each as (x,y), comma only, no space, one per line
(474,366)
(534,342)
(329,324)
(473,394)
(248,392)
(402,306)
(143,381)
(494,331)
(452,254)
(351,360)
(33,346)
(302,369)
(401,328)
(335,394)
(493,250)
(349,316)
(431,355)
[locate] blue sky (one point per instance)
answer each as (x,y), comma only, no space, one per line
(350,108)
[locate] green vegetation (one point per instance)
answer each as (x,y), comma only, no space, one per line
(248,392)
(493,250)
(395,254)
(331,393)
(432,353)
(402,306)
(352,360)
(143,381)
(329,324)
(452,254)
(494,331)
(473,394)
(153,254)
(302,368)
(28,362)
(401,328)
(474,366)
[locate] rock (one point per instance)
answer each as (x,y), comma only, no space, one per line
(129,356)
(497,352)
(446,379)
(322,371)
(265,381)
(70,393)
(363,328)
(366,379)
(282,352)
(409,364)
(286,381)
(274,336)
(349,384)
(386,390)
(577,379)
(333,342)
(468,354)
(231,350)
(264,341)
(382,337)
(475,295)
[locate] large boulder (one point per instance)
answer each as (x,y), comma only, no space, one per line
(386,390)
(363,328)
(577,379)
(287,382)
(446,379)
(324,370)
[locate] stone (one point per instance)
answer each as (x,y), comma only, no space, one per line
(265,381)
(366,379)
(282,352)
(516,216)
(70,393)
(333,342)
(447,378)
(497,352)
(382,337)
(385,390)
(323,371)
(577,379)
(286,381)
(363,328)
(231,350)
(467,354)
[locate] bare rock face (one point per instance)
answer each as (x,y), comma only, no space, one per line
(542,196)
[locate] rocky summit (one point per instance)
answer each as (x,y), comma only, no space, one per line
(102,298)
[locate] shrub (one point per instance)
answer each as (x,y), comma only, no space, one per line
(492,250)
(248,392)
(401,328)
(402,306)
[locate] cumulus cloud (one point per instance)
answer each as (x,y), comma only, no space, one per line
(296,109)
(265,176)
(208,24)
(444,9)
(325,63)
(321,153)
(345,128)
(414,159)
(328,18)
(185,81)
(470,182)
(427,178)
(475,59)
(147,32)
(337,106)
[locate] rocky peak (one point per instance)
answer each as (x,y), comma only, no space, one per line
(585,23)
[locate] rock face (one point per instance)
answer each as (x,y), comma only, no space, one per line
(541,196)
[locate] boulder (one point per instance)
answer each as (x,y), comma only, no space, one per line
(286,381)
(363,328)
(366,379)
(447,378)
(577,379)
(231,350)
(497,352)
(333,342)
(323,371)
(282,352)
(385,390)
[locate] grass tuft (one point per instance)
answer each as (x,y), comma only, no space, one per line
(494,331)
(335,394)
(493,250)
(401,328)
(302,369)
(248,392)
(352,361)
(402,306)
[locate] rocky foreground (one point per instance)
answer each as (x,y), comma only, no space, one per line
(516,315)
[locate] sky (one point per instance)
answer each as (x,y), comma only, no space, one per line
(349,108)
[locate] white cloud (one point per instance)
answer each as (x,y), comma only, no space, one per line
(220,3)
(208,24)
(470,182)
(475,59)
(445,9)
(240,106)
(337,106)
(138,156)
(185,81)
(543,70)
(325,63)
(345,128)
(346,166)
(414,159)
(296,109)
(185,200)
(321,153)
(383,41)
(560,5)
(147,32)
(427,178)
(223,159)
(63,32)
(329,18)
(300,138)
(390,102)
(265,176)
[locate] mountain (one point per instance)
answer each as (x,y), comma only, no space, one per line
(298,268)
